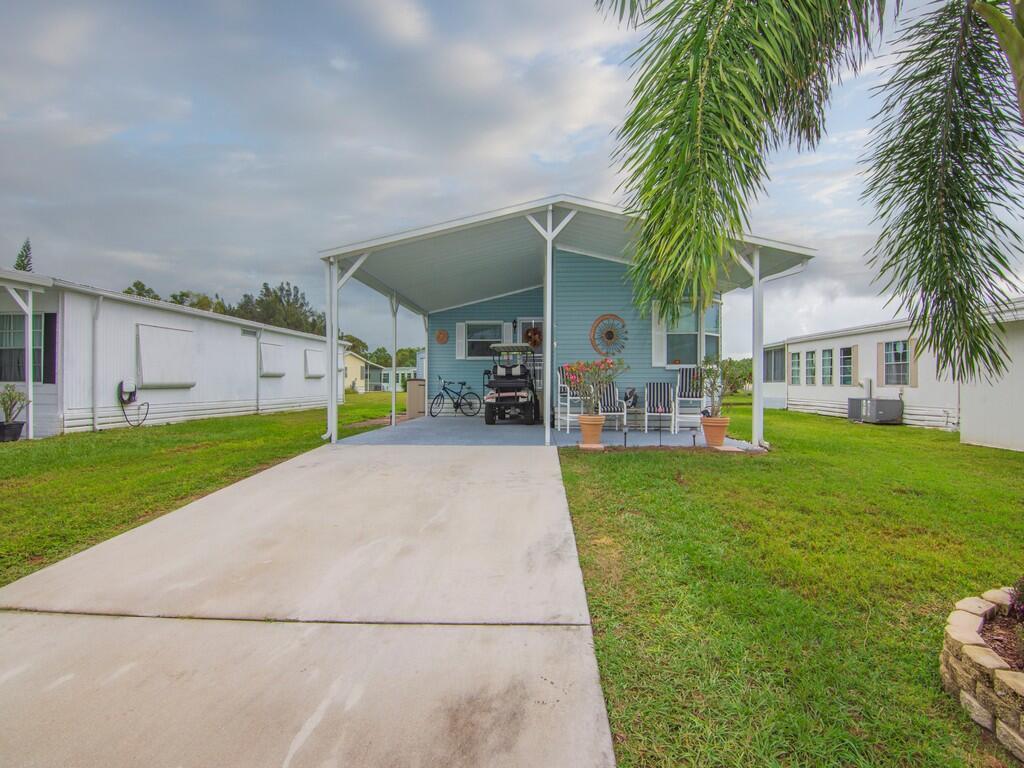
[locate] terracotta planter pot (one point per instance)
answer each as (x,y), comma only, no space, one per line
(714,429)
(590,429)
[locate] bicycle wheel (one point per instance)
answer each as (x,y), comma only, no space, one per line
(437,404)
(470,404)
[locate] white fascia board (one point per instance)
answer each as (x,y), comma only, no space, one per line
(181,310)
(890,325)
(24,280)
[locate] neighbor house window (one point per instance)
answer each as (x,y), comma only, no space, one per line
(12,347)
(713,331)
(480,336)
(681,339)
(846,366)
(794,368)
(897,363)
(826,367)
(810,365)
(775,366)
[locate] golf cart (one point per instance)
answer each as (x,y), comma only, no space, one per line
(510,392)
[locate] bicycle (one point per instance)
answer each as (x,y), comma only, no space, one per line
(466,401)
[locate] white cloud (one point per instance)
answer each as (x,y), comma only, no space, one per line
(63,38)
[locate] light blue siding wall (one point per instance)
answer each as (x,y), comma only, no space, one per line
(442,360)
(586,288)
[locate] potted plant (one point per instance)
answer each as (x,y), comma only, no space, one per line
(713,384)
(589,377)
(12,402)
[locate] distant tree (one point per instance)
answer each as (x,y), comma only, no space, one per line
(23,262)
(358,345)
(199,300)
(139,288)
(407,357)
(285,306)
(380,356)
(736,374)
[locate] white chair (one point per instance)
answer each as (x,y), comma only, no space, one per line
(568,398)
(689,400)
(659,400)
(610,404)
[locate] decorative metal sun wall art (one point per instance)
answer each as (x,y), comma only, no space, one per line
(608,335)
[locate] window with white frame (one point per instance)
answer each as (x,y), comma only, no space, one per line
(897,363)
(845,366)
(681,339)
(774,366)
(12,347)
(826,367)
(713,331)
(480,336)
(794,368)
(810,367)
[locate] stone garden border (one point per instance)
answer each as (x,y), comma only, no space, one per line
(977,677)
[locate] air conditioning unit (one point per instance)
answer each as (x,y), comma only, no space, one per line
(874,410)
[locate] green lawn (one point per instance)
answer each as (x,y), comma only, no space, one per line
(63,494)
(788,609)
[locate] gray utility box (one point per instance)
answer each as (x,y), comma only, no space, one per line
(874,410)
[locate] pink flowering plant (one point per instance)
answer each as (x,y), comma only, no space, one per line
(589,377)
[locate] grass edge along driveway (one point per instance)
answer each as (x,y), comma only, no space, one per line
(788,609)
(63,494)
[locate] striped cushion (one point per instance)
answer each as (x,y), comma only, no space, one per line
(688,383)
(658,397)
(609,399)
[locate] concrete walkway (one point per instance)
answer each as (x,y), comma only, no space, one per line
(355,606)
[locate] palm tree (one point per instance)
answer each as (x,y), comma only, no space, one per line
(722,83)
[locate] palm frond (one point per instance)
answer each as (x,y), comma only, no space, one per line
(946,177)
(719,84)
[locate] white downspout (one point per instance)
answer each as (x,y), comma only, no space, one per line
(96,363)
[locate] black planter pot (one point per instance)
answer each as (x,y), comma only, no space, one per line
(11,431)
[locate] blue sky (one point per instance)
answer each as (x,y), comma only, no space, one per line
(217,145)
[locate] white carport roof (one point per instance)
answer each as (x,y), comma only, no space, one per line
(498,252)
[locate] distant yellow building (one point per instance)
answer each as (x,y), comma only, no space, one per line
(361,375)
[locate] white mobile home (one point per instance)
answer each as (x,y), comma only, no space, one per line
(90,344)
(819,373)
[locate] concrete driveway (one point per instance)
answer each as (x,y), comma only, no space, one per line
(356,606)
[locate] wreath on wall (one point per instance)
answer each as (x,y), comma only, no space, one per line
(608,335)
(441,336)
(533,336)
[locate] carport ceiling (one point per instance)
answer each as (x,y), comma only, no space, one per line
(490,254)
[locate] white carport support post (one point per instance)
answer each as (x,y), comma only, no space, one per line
(426,363)
(753,267)
(549,233)
(334,285)
(394,359)
(757,437)
(26,308)
(331,338)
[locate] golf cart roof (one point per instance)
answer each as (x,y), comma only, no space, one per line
(512,348)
